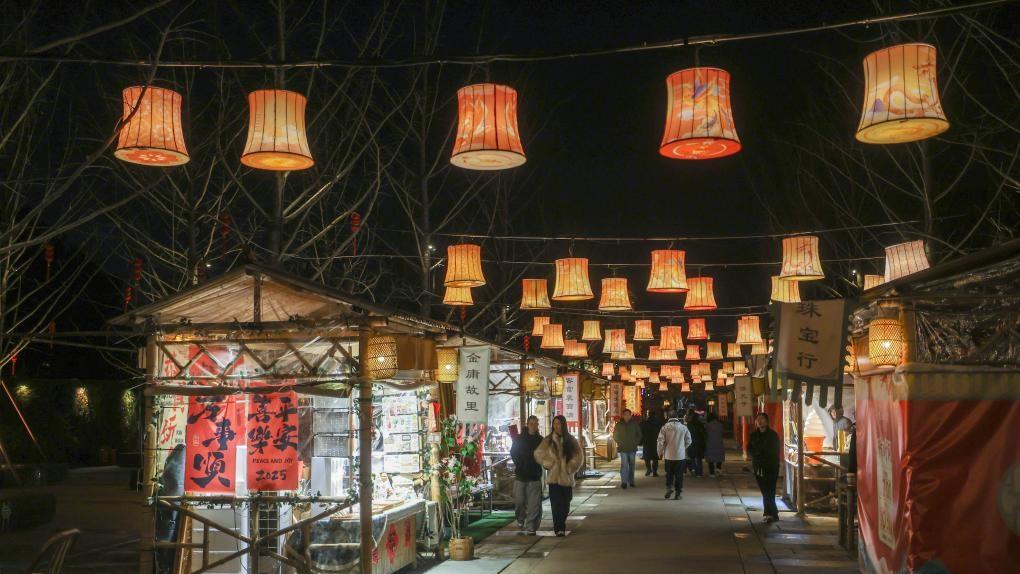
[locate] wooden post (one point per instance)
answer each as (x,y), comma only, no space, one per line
(147,537)
(365,455)
(800,453)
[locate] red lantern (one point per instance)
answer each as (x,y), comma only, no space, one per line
(700,297)
(153,134)
(699,121)
(487,135)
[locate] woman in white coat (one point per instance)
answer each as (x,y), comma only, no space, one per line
(561,455)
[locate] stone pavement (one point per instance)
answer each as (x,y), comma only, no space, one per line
(716,528)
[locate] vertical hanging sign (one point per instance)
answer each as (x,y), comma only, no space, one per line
(215,428)
(473,385)
(273,442)
(743,397)
(615,399)
(572,398)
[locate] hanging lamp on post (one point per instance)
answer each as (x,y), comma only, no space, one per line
(700,296)
(671,338)
(785,290)
(669,273)
(538,326)
(276,132)
(801,261)
(614,295)
(458,297)
(904,259)
(592,331)
(487,134)
(552,336)
(696,330)
(572,282)
(464,266)
(699,120)
(534,294)
(153,134)
(901,96)
(749,330)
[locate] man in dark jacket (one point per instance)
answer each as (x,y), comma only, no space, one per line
(696,454)
(528,474)
(764,449)
(649,436)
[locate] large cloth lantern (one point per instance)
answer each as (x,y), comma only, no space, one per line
(448,361)
(671,338)
(592,331)
(276,132)
(669,274)
(614,295)
(699,121)
(607,370)
(904,259)
(700,296)
(458,297)
(153,134)
(572,280)
(713,351)
(801,261)
(575,349)
(487,134)
(626,355)
(464,266)
(643,330)
(872,281)
(538,326)
(759,349)
(733,351)
(534,294)
(552,336)
(693,353)
(696,330)
(749,330)
(885,342)
(616,341)
(901,96)
(381,357)
(785,290)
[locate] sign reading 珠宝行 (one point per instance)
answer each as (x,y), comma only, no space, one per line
(811,343)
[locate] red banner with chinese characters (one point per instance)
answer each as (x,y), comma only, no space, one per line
(272,441)
(215,429)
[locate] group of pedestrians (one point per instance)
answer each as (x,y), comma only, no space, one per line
(560,454)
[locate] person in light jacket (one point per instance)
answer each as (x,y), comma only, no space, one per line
(627,435)
(715,452)
(528,477)
(560,454)
(674,438)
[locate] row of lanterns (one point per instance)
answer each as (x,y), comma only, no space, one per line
(901,104)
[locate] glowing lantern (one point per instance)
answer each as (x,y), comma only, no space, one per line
(904,259)
(592,331)
(448,361)
(643,330)
(381,357)
(699,122)
(671,338)
(749,330)
(739,368)
(538,326)
(901,96)
(685,387)
(464,266)
(552,336)
(714,352)
(556,387)
(657,354)
(487,135)
(885,342)
(627,354)
(733,351)
(574,349)
(693,353)
(532,381)
(276,132)
(696,330)
(671,372)
(653,377)
(640,371)
(759,349)
(709,384)
(727,367)
(607,370)
(872,281)
(785,290)
(458,297)
(534,294)
(572,280)
(616,341)
(153,135)
(624,373)
(614,295)
(669,274)
(801,261)
(700,296)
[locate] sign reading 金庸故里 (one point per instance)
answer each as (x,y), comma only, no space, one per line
(572,398)
(473,385)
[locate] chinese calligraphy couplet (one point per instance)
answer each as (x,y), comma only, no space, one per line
(473,385)
(572,398)
(615,399)
(273,441)
(215,428)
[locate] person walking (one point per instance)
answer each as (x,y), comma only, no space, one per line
(715,452)
(764,450)
(560,454)
(627,435)
(650,428)
(696,453)
(671,445)
(527,478)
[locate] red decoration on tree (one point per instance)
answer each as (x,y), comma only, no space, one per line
(136,270)
(225,223)
(527,343)
(14,365)
(355,228)
(48,254)
(127,298)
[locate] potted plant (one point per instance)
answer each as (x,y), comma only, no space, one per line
(456,486)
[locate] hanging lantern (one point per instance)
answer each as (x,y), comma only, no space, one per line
(700,296)
(714,352)
(696,371)
(276,132)
(872,281)
(696,330)
(739,368)
(671,372)
(626,355)
(669,274)
(785,290)
(616,341)
(640,371)
(733,351)
(381,357)
(624,373)
(487,135)
(607,370)
(709,384)
(532,381)
(801,261)
(759,349)
(727,368)
(448,360)
(572,280)
(706,372)
(653,353)
(904,259)
(552,336)
(685,387)
(653,377)
(885,342)
(901,96)
(153,134)
(699,122)
(538,325)
(458,297)
(749,330)
(643,330)
(592,331)
(614,295)
(535,294)
(556,387)
(464,266)
(574,349)
(693,353)
(671,338)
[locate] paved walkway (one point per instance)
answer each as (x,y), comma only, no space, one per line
(715,528)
